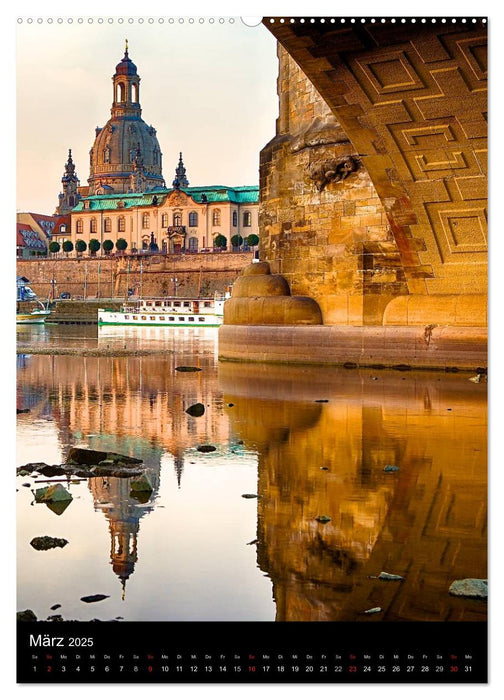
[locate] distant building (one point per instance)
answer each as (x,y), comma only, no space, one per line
(126,196)
(28,243)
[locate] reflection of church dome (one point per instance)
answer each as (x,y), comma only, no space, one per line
(125,156)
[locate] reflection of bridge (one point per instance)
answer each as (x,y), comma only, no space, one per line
(426,523)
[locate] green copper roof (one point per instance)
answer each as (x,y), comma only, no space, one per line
(214,193)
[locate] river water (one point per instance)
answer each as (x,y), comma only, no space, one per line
(308,441)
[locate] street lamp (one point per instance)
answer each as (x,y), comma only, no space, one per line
(53,282)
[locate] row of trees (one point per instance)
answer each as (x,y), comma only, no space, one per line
(121,244)
(94,246)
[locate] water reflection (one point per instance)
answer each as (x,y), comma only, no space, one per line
(426,522)
(309,441)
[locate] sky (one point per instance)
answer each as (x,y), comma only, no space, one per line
(209,89)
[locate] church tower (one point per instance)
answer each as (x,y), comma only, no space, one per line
(69,196)
(125,156)
(180,175)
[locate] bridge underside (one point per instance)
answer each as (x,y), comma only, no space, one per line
(374,188)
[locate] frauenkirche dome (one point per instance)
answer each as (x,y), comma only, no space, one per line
(125,156)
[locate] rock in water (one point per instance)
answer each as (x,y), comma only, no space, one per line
(26,616)
(390,468)
(79,455)
(196,410)
(141,485)
(94,598)
(206,448)
(322,518)
(52,494)
(183,368)
(384,576)
(470,588)
(46,542)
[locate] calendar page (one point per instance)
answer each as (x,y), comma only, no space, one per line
(251,324)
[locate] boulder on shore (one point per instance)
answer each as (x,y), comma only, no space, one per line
(26,616)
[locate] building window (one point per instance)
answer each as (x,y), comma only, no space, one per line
(235,218)
(121,224)
(177,219)
(193,244)
(62,228)
(216,217)
(79,226)
(107,225)
(247,218)
(193,218)
(164,220)
(92,225)
(145,220)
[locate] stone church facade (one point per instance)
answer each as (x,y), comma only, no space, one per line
(126,196)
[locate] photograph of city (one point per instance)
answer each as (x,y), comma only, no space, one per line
(251,321)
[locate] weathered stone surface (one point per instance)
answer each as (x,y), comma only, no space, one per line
(261,268)
(196,410)
(45,542)
(52,494)
(272,311)
(260,286)
(470,588)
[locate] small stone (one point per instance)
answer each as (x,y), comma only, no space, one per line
(206,448)
(390,468)
(322,518)
(94,598)
(196,410)
(26,616)
(230,405)
(324,469)
(44,543)
(470,588)
(476,379)
(55,606)
(52,494)
(183,368)
(54,618)
(250,495)
(26,484)
(321,400)
(372,611)
(384,576)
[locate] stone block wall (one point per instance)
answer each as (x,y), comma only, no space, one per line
(202,274)
(322,223)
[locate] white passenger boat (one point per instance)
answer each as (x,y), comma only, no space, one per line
(167,311)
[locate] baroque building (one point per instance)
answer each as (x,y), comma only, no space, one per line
(126,196)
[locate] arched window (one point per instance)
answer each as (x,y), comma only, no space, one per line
(92,225)
(247,218)
(145,243)
(145,220)
(121,92)
(235,218)
(193,244)
(79,226)
(107,225)
(193,218)
(121,224)
(216,217)
(177,219)
(164,220)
